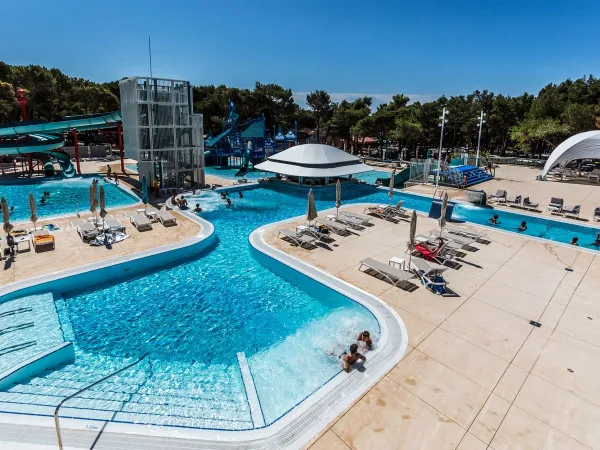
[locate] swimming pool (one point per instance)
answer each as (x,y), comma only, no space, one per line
(371,177)
(67,196)
(229,173)
(132,167)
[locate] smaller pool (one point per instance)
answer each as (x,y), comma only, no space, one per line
(229,173)
(67,196)
(371,177)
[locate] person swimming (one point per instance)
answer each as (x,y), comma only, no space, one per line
(365,337)
(43,200)
(228,200)
(597,241)
(575,241)
(350,358)
(241,195)
(197,208)
(523,226)
(494,220)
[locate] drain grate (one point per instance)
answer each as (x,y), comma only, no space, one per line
(534,323)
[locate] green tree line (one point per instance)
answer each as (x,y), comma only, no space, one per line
(526,122)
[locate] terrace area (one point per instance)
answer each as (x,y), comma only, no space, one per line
(477,374)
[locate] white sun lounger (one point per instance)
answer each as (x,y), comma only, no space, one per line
(464,232)
(336,227)
(453,237)
(86,230)
(111,222)
(300,239)
(351,221)
(365,219)
(140,221)
(597,214)
(166,218)
(381,211)
(427,272)
(392,274)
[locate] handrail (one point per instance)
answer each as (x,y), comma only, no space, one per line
(56,419)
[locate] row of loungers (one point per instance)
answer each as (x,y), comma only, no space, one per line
(556,205)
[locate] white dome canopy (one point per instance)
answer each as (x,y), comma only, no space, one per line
(313,160)
(580,146)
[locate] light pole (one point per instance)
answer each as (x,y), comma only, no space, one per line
(441,124)
(481,122)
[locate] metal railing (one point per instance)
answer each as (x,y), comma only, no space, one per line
(56,419)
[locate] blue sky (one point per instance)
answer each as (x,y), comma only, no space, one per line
(349,48)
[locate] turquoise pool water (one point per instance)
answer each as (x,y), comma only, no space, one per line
(66,196)
(193,318)
(229,174)
(371,177)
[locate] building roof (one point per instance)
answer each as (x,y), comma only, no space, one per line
(581,146)
(313,160)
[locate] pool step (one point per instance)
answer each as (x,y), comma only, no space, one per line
(140,394)
(28,326)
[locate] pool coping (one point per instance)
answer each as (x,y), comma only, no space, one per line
(126,189)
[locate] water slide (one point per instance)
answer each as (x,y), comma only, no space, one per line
(19,138)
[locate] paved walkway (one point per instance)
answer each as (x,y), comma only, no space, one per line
(71,251)
(476,374)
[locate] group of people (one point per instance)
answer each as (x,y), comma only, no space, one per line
(348,358)
(45,197)
(180,202)
(523,227)
(225,196)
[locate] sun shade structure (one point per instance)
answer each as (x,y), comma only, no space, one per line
(313,161)
(581,146)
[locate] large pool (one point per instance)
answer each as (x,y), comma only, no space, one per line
(193,318)
(229,173)
(67,196)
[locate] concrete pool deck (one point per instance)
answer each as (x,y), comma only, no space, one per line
(72,252)
(476,374)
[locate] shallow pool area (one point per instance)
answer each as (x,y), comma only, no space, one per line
(229,173)
(67,196)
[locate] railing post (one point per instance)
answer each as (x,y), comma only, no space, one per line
(58,435)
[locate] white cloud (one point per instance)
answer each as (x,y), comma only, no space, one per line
(378,99)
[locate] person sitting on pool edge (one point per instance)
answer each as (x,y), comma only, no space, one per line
(350,358)
(182,203)
(197,208)
(575,241)
(494,219)
(365,337)
(523,226)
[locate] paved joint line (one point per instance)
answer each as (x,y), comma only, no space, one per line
(535,362)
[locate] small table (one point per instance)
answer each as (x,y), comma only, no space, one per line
(21,239)
(151,214)
(396,260)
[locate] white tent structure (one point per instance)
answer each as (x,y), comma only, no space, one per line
(313,161)
(581,146)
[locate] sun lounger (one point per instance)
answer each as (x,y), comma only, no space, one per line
(365,219)
(140,221)
(166,218)
(111,222)
(300,239)
(350,221)
(43,239)
(500,195)
(527,204)
(516,200)
(86,230)
(392,274)
(571,211)
(556,204)
(458,239)
(383,213)
(597,214)
(336,227)
(464,232)
(429,273)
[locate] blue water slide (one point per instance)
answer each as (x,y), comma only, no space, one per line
(80,123)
